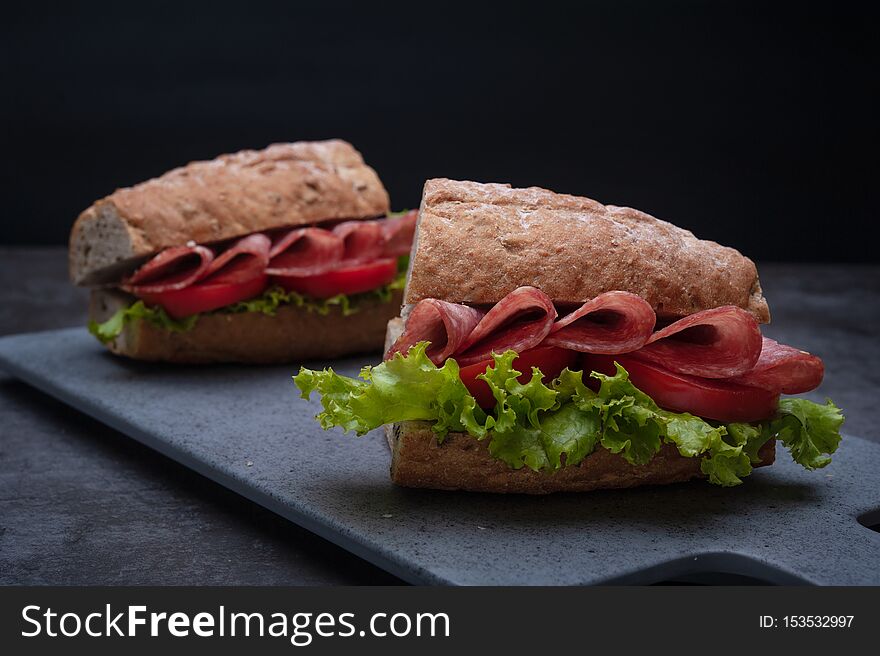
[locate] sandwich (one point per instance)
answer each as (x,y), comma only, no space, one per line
(278,255)
(550,343)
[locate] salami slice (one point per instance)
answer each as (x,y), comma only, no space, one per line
(174,268)
(783,369)
(244,260)
(362,240)
(719,343)
(612,323)
(305,252)
(398,232)
(445,325)
(519,321)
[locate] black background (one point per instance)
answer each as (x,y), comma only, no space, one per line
(750,123)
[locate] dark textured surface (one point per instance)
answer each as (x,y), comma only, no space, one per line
(79,503)
(245,428)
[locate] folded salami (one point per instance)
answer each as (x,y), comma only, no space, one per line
(551,343)
(172,269)
(717,343)
(519,321)
(444,325)
(613,322)
(256,256)
(305,252)
(783,369)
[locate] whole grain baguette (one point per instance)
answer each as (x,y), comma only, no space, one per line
(477,242)
(462,462)
(292,335)
(233,195)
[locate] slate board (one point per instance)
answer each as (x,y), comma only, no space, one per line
(247,429)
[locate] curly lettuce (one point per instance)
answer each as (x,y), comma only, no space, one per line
(113,327)
(546,426)
(267,303)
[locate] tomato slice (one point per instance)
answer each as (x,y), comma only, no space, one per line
(346,280)
(204,297)
(704,397)
(550,359)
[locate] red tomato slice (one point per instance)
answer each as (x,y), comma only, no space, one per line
(704,397)
(204,297)
(551,360)
(345,280)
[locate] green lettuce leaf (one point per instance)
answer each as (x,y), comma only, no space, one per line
(811,432)
(751,437)
(632,423)
(113,327)
(548,425)
(276,297)
(570,432)
(727,465)
(524,432)
(400,389)
(267,303)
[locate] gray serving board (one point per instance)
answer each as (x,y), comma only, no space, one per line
(247,429)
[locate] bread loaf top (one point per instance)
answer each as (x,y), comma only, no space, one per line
(477,242)
(283,185)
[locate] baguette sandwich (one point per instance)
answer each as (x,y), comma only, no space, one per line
(550,343)
(278,255)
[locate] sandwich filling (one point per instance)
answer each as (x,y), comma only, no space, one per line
(314,268)
(547,391)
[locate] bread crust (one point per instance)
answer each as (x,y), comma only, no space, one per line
(292,335)
(462,462)
(477,242)
(287,184)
